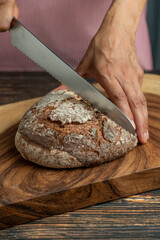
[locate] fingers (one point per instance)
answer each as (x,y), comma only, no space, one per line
(82,69)
(140,101)
(128,96)
(117,96)
(7,10)
(138,106)
(137,68)
(84,66)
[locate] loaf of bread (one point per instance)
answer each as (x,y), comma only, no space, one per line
(63,131)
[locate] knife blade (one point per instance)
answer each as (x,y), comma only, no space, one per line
(32,47)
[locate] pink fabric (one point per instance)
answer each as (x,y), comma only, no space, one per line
(65,26)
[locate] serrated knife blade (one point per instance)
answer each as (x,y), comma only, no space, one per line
(31,46)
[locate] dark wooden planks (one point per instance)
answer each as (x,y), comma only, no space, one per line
(136,217)
(21,86)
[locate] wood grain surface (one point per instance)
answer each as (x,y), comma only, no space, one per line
(29,192)
(134,217)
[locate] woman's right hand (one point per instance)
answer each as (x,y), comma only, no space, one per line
(8,9)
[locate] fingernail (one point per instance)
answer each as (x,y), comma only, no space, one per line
(133,124)
(145,136)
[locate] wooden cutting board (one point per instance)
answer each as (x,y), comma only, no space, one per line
(29,191)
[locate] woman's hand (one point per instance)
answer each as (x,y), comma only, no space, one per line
(8,9)
(111,59)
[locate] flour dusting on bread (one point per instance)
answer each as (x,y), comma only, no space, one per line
(63,131)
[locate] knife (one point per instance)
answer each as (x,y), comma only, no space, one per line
(31,46)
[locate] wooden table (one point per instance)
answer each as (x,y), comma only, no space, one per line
(128,218)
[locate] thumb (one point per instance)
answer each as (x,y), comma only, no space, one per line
(82,68)
(16,11)
(6,14)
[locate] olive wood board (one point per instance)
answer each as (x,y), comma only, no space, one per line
(29,192)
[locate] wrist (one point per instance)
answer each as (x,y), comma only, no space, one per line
(125,15)
(113,34)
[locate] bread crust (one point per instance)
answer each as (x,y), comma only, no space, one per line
(63,131)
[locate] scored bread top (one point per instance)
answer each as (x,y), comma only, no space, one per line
(63,121)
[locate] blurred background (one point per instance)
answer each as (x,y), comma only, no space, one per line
(153,20)
(52,22)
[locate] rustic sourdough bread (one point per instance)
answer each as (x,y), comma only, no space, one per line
(63,131)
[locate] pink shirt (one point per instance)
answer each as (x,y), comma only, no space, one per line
(66,27)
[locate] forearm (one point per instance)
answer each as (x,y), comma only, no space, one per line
(124,14)
(119,27)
